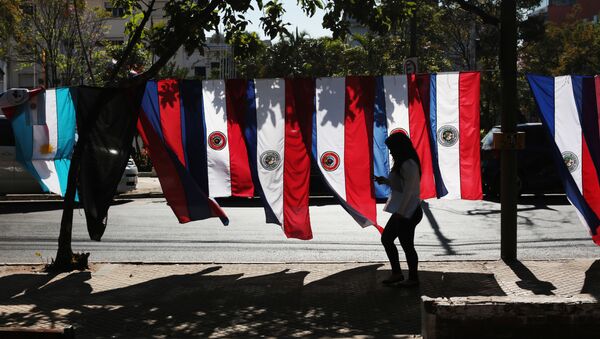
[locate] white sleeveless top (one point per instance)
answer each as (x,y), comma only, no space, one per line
(406,190)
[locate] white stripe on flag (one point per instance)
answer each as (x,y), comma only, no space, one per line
(447,103)
(331,113)
(215,118)
(45,143)
(396,104)
(270,138)
(567,128)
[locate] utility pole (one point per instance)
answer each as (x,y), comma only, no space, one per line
(508,183)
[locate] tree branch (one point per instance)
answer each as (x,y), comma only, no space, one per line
(131,43)
(485,17)
(83,49)
(170,50)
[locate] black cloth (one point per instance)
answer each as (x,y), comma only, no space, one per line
(403,229)
(106,125)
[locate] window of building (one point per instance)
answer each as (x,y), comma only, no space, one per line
(200,71)
(215,65)
(115,12)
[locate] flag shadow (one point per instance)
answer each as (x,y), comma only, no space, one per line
(350,302)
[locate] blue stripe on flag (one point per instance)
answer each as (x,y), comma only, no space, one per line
(65,115)
(150,106)
(195,131)
(440,188)
(381,166)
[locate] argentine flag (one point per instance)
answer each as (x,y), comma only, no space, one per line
(43,122)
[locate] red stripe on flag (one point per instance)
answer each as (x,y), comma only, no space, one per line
(296,165)
(591,186)
(597,86)
(170,116)
(241,177)
(470,169)
(358,157)
(167,173)
(420,138)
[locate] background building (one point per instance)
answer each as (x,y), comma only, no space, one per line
(216,61)
(557,11)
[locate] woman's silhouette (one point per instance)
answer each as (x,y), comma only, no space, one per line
(405,205)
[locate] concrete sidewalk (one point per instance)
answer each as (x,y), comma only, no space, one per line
(273,300)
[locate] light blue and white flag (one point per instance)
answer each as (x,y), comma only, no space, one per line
(44,129)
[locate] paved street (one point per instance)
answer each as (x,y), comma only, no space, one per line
(145,230)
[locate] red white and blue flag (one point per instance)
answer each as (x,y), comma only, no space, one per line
(343,142)
(569,107)
(399,108)
(454,122)
(279,135)
(224,105)
(171,125)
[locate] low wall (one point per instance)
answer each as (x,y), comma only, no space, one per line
(510,317)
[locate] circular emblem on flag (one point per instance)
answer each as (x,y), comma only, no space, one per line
(270,160)
(571,160)
(447,135)
(217,140)
(399,130)
(330,161)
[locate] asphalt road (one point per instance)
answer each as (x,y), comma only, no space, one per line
(145,230)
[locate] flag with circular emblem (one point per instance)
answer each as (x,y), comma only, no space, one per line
(343,142)
(454,122)
(280,137)
(569,108)
(172,126)
(225,109)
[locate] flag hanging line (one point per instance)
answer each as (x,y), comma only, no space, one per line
(569,109)
(270,127)
(243,138)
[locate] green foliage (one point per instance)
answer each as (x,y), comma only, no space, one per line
(10,17)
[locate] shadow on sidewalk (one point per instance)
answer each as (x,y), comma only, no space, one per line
(206,303)
(591,285)
(529,281)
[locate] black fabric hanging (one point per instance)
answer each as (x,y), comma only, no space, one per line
(106,124)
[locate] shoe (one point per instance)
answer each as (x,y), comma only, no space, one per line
(407,283)
(394,278)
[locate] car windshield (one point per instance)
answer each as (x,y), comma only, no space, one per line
(488,139)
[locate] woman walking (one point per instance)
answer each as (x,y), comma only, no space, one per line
(405,205)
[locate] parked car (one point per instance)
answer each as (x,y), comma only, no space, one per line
(536,171)
(15,179)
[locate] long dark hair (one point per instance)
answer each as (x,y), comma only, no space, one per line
(401,149)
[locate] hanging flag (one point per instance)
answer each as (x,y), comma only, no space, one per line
(343,142)
(43,122)
(399,108)
(171,125)
(454,123)
(106,122)
(569,109)
(224,104)
(280,137)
